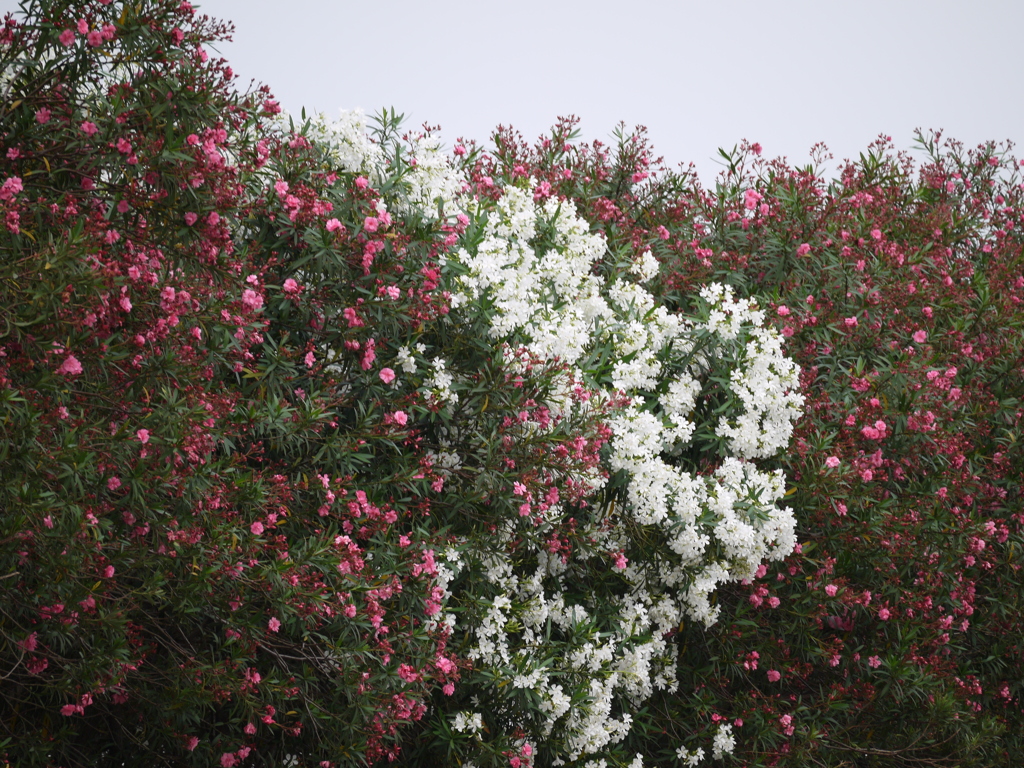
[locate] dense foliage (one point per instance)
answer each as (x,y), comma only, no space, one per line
(324,447)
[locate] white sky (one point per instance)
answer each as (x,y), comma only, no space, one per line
(698,73)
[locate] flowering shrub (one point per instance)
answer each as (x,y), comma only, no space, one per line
(885,638)
(196,567)
(334,446)
(327,448)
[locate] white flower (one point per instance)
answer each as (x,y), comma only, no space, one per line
(724,742)
(470,722)
(690,758)
(431,185)
(405,360)
(347,142)
(438,385)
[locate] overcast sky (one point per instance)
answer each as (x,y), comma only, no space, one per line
(699,74)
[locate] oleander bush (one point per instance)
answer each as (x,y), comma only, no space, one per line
(324,446)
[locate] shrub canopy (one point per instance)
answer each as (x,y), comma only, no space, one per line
(323,446)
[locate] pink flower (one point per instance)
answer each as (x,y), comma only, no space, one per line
(309,359)
(370,224)
(783,310)
(10,188)
(350,610)
(227,760)
(369,355)
(281,187)
(361,182)
(866,475)
(387,375)
(70,366)
(251,299)
(333,225)
(874,662)
(274,624)
(400,417)
(291,287)
(448,689)
(143,435)
(803,249)
(830,590)
(191,743)
(249,729)
(832,462)
(774,675)
(108,572)
(67,37)
(95,38)
(850,322)
(124,146)
(883,614)
(68,710)
(191,218)
(257,529)
(114,483)
(88,128)
(920,337)
(43,116)
(29,643)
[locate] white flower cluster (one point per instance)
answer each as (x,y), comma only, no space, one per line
(724,742)
(438,385)
(347,142)
(690,758)
(604,666)
(431,184)
(721,527)
(405,359)
(551,297)
(468,722)
(766,381)
(534,273)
